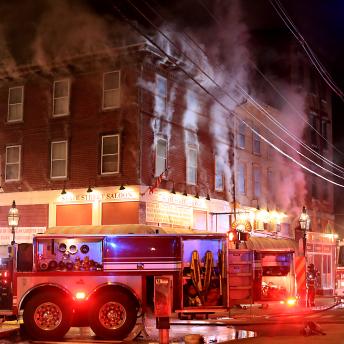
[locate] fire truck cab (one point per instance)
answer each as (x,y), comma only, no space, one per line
(106,281)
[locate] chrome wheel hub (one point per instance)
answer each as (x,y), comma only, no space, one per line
(112,315)
(48,316)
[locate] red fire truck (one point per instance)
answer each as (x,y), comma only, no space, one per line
(339,287)
(90,277)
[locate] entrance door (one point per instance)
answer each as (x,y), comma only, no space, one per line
(322,263)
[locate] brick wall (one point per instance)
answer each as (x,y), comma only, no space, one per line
(30,215)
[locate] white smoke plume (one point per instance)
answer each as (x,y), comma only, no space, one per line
(292,190)
(66,31)
(7,61)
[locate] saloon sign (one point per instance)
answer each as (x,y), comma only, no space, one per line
(125,195)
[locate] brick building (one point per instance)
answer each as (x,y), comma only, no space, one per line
(83,141)
(111,124)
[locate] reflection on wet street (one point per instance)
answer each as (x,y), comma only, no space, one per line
(211,334)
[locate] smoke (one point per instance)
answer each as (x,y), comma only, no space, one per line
(190,119)
(292,189)
(230,55)
(53,32)
(7,61)
(66,31)
(220,130)
(218,65)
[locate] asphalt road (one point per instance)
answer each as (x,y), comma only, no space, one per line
(275,327)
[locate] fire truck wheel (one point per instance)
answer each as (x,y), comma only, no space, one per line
(113,315)
(47,315)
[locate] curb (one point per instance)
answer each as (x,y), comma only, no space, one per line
(7,332)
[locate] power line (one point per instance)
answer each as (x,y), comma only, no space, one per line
(329,162)
(275,121)
(258,106)
(189,75)
(276,4)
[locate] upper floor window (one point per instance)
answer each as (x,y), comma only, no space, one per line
(323,90)
(300,73)
(314,186)
(256,142)
(191,165)
(111,90)
(324,124)
(219,175)
(110,154)
(314,129)
(326,191)
(242,135)
(59,154)
(13,162)
(241,183)
(61,98)
(270,181)
(256,182)
(15,104)
(313,81)
(160,95)
(160,156)
(271,151)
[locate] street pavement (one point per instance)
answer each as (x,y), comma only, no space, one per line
(268,323)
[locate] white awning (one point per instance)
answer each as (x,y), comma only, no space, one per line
(272,244)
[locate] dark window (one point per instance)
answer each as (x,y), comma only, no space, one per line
(324,133)
(314,129)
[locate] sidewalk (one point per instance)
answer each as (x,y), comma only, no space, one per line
(8,328)
(253,318)
(272,324)
(275,308)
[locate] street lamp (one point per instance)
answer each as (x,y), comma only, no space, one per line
(13,220)
(305,222)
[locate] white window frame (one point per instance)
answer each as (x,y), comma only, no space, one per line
(241,135)
(219,175)
(189,166)
(324,132)
(243,176)
(256,182)
(160,97)
(160,157)
(15,104)
(117,136)
(13,163)
(270,181)
(52,159)
(63,97)
(256,143)
(116,106)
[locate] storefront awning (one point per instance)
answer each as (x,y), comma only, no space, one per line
(271,244)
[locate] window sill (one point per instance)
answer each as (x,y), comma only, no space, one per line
(20,121)
(111,108)
(59,116)
(109,174)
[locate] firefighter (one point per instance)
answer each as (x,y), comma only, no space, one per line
(311,283)
(193,299)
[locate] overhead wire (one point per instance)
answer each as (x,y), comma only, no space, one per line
(310,149)
(276,4)
(189,75)
(297,112)
(256,104)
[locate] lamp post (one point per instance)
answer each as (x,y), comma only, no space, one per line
(13,220)
(305,222)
